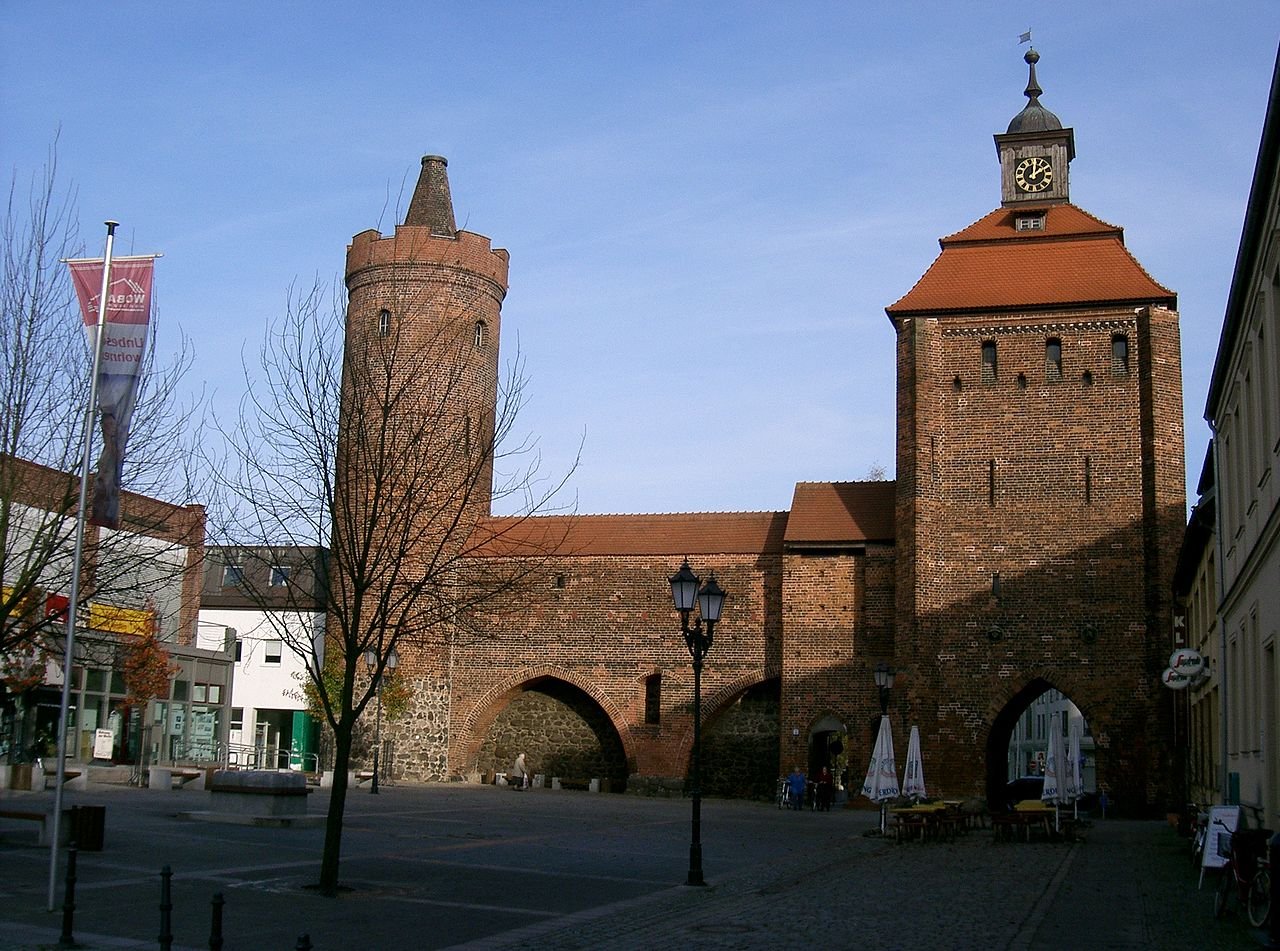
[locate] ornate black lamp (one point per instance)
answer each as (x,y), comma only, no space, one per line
(697,637)
(393,661)
(884,675)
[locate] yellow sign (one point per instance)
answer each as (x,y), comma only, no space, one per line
(105,617)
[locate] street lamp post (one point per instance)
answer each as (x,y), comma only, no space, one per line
(371,658)
(697,637)
(884,675)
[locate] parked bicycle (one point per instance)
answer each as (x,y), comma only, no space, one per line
(1246,873)
(1199,834)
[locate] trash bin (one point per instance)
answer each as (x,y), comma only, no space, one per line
(88,824)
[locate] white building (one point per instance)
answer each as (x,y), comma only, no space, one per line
(1243,411)
(270,604)
(1029,743)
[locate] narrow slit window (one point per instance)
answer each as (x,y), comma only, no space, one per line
(384,323)
(481,334)
(991,482)
(1088,480)
(653,699)
(1119,354)
(988,361)
(1053,360)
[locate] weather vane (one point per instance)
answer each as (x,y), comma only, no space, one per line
(1024,37)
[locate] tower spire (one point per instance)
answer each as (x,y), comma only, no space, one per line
(431,205)
(1033,90)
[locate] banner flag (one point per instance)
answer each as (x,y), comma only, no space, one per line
(123,348)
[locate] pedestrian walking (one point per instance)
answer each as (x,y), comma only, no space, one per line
(825,785)
(520,772)
(796,783)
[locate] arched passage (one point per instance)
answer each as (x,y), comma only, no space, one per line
(1017,742)
(740,745)
(562,732)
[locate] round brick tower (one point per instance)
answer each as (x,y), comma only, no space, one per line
(416,445)
(424,311)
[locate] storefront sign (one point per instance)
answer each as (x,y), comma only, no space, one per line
(103,740)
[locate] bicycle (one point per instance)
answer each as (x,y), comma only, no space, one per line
(1198,836)
(1246,872)
(784,793)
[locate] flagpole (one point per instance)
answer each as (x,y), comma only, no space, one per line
(69,653)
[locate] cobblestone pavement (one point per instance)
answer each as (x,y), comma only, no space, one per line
(465,867)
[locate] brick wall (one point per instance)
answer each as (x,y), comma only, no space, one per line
(1065,489)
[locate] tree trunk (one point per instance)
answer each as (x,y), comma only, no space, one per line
(332,853)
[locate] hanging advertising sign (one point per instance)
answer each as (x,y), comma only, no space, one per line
(1175,680)
(123,347)
(1186,661)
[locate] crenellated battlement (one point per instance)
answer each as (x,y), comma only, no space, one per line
(416,244)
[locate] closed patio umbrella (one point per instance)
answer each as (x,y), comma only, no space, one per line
(913,772)
(1075,782)
(1055,790)
(881,783)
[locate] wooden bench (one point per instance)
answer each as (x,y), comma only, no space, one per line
(175,777)
(71,779)
(563,782)
(46,823)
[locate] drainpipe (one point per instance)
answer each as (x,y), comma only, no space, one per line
(1219,536)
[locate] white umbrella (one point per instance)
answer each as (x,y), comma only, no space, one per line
(913,772)
(1054,773)
(1075,782)
(881,783)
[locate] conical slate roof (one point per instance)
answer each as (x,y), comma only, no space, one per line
(1035,117)
(432,206)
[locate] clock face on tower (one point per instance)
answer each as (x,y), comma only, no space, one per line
(1033,174)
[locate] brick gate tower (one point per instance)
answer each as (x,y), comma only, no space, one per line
(417,432)
(1040,488)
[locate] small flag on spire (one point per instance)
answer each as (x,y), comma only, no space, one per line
(1024,37)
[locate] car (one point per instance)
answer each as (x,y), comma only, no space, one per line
(1024,787)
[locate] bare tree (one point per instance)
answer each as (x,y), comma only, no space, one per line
(45,368)
(373,448)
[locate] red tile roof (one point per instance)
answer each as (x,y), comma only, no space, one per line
(701,533)
(826,513)
(1076,260)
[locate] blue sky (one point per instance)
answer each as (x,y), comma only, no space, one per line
(708,205)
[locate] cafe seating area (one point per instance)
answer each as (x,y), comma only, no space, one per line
(942,820)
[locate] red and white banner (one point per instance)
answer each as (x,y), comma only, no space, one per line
(124,344)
